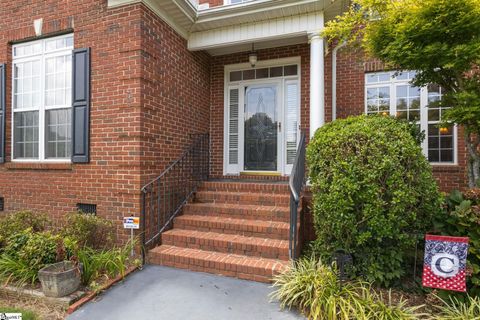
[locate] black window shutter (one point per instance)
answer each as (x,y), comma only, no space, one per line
(81,106)
(2,111)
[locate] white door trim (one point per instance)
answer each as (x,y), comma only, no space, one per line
(282,168)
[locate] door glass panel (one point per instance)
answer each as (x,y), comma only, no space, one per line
(261,128)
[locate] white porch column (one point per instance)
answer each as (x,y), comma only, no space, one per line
(317,82)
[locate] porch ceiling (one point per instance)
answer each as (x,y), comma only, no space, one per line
(198,25)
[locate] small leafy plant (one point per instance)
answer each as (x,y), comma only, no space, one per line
(90,230)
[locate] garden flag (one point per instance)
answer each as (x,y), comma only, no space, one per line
(445,262)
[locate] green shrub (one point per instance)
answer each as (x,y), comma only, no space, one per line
(40,250)
(26,253)
(90,230)
(461,217)
(16,242)
(315,289)
(21,220)
(372,190)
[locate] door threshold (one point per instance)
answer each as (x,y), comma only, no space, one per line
(261,173)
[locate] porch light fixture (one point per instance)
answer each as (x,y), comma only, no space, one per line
(252,56)
(443,130)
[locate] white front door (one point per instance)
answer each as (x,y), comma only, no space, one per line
(262,125)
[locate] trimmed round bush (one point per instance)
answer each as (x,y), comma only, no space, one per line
(373,193)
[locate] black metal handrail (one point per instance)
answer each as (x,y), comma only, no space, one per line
(164,197)
(296,184)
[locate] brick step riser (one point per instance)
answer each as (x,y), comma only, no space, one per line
(234,198)
(275,215)
(238,248)
(220,268)
(273,233)
(281,189)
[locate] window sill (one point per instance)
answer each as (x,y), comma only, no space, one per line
(38,166)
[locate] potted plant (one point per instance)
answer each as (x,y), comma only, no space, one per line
(60,279)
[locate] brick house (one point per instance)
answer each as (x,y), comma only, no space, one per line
(146,77)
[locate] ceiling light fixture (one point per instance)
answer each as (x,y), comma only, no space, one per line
(252,56)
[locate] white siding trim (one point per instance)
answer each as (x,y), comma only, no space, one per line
(252,32)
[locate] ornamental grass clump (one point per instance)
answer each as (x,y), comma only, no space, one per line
(314,288)
(373,193)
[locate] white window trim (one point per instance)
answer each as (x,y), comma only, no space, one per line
(229,2)
(239,84)
(42,108)
(392,83)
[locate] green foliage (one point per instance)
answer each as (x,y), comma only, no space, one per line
(372,189)
(381,308)
(26,253)
(314,288)
(461,217)
(39,250)
(26,314)
(16,242)
(110,262)
(453,309)
(22,220)
(90,230)
(440,39)
(17,271)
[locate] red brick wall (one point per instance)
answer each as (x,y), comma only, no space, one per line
(109,180)
(175,95)
(148,92)
(217,94)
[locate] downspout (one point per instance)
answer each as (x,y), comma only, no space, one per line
(334,79)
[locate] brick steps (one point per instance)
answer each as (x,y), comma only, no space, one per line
(243,267)
(226,225)
(244,211)
(261,198)
(233,228)
(251,187)
(227,243)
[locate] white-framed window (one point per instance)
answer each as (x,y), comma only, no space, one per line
(42,99)
(391,93)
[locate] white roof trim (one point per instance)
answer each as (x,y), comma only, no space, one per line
(222,26)
(279,28)
(184,5)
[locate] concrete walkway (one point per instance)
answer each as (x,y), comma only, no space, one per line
(165,293)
